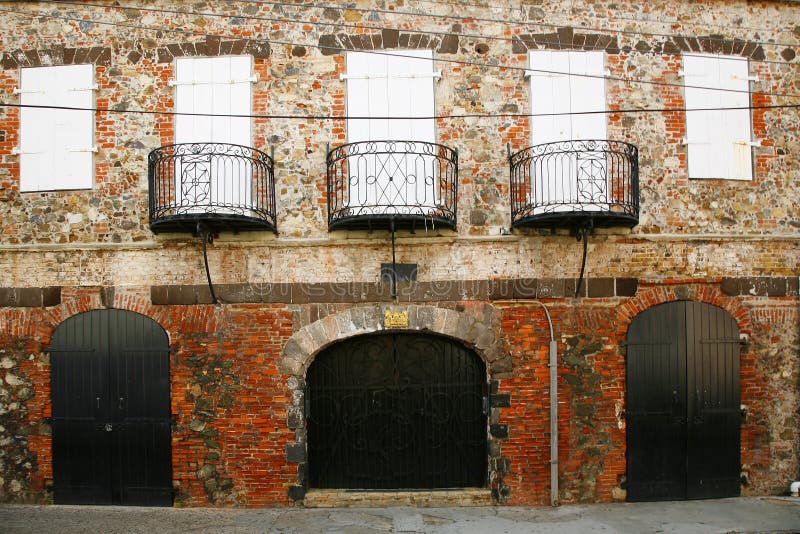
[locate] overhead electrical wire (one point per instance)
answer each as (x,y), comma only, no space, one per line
(404,118)
(344,24)
(379,52)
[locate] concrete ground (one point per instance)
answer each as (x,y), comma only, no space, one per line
(746,514)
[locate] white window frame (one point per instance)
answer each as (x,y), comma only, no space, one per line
(396,83)
(718,140)
(56,146)
(563,82)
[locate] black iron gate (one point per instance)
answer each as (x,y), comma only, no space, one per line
(683,403)
(397,411)
(111,410)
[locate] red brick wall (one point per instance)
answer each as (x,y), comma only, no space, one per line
(592,391)
(229,400)
(223,374)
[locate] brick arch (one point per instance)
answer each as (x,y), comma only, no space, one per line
(89,299)
(660,294)
(305,344)
(201,318)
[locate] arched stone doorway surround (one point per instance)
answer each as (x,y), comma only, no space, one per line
(475,333)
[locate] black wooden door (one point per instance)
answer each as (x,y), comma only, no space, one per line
(683,412)
(111,410)
(397,411)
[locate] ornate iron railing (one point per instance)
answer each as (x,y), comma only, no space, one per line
(223,186)
(564,184)
(374,184)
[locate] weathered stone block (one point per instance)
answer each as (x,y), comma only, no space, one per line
(295,453)
(626,287)
(499,431)
(600,287)
(296,493)
(501,400)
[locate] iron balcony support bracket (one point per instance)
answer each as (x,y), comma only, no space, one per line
(582,233)
(394,261)
(207,238)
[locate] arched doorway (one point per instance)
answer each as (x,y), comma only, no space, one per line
(683,403)
(111,410)
(397,411)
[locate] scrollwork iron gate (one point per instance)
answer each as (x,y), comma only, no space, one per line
(398,411)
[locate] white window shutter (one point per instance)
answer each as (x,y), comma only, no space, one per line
(187,128)
(737,150)
(240,99)
(411,94)
(359,93)
(704,133)
(77,133)
(37,135)
(56,146)
(588,94)
(550,97)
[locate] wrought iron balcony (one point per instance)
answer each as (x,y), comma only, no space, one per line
(568,184)
(400,184)
(222,186)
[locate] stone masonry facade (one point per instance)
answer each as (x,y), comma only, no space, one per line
(237,367)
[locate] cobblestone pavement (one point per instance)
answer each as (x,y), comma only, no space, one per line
(746,514)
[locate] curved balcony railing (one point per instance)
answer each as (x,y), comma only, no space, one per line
(225,187)
(379,184)
(567,183)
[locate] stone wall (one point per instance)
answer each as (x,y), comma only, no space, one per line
(298,59)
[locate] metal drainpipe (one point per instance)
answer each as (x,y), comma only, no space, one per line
(553,364)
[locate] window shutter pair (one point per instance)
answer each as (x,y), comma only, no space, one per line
(558,99)
(213,99)
(56,145)
(568,96)
(718,140)
(213,86)
(386,85)
(393,178)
